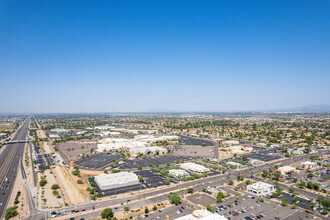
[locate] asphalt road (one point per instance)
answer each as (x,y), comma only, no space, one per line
(196,185)
(9,162)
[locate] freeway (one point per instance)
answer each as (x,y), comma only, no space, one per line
(9,164)
(196,184)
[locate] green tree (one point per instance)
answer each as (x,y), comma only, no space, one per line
(211,208)
(284,202)
(220,196)
(309,185)
(302,184)
(190,190)
(139,168)
(107,213)
(277,175)
(146,210)
(140,178)
(174,198)
(265,173)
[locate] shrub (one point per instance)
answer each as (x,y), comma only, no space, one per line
(43,182)
(11,212)
(54,186)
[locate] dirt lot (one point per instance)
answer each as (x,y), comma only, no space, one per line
(70,150)
(4,127)
(46,148)
(41,134)
(45,194)
(194,151)
(23,207)
(68,187)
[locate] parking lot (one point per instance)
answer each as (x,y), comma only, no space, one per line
(304,203)
(264,157)
(150,178)
(49,159)
(41,162)
(194,141)
(97,161)
(201,199)
(144,162)
(172,212)
(193,151)
(247,206)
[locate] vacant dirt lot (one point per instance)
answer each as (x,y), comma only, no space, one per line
(68,187)
(23,207)
(70,150)
(41,134)
(6,126)
(194,151)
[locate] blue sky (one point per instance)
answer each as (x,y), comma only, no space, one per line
(108,56)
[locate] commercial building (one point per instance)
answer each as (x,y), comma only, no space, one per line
(194,167)
(202,214)
(232,142)
(286,170)
(178,172)
(260,189)
(234,164)
(116,180)
(255,161)
(139,144)
(146,150)
(308,165)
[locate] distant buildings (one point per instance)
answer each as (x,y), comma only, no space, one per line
(231,142)
(286,170)
(308,165)
(116,180)
(239,149)
(260,188)
(194,167)
(54,136)
(296,151)
(58,130)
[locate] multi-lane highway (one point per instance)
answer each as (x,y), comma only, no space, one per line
(9,163)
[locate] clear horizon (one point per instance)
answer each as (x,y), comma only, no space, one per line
(185,56)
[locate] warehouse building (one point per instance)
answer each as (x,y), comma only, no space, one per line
(260,188)
(194,167)
(178,172)
(116,180)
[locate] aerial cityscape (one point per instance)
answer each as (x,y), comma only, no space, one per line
(176,110)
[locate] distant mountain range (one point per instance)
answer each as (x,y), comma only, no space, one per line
(306,108)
